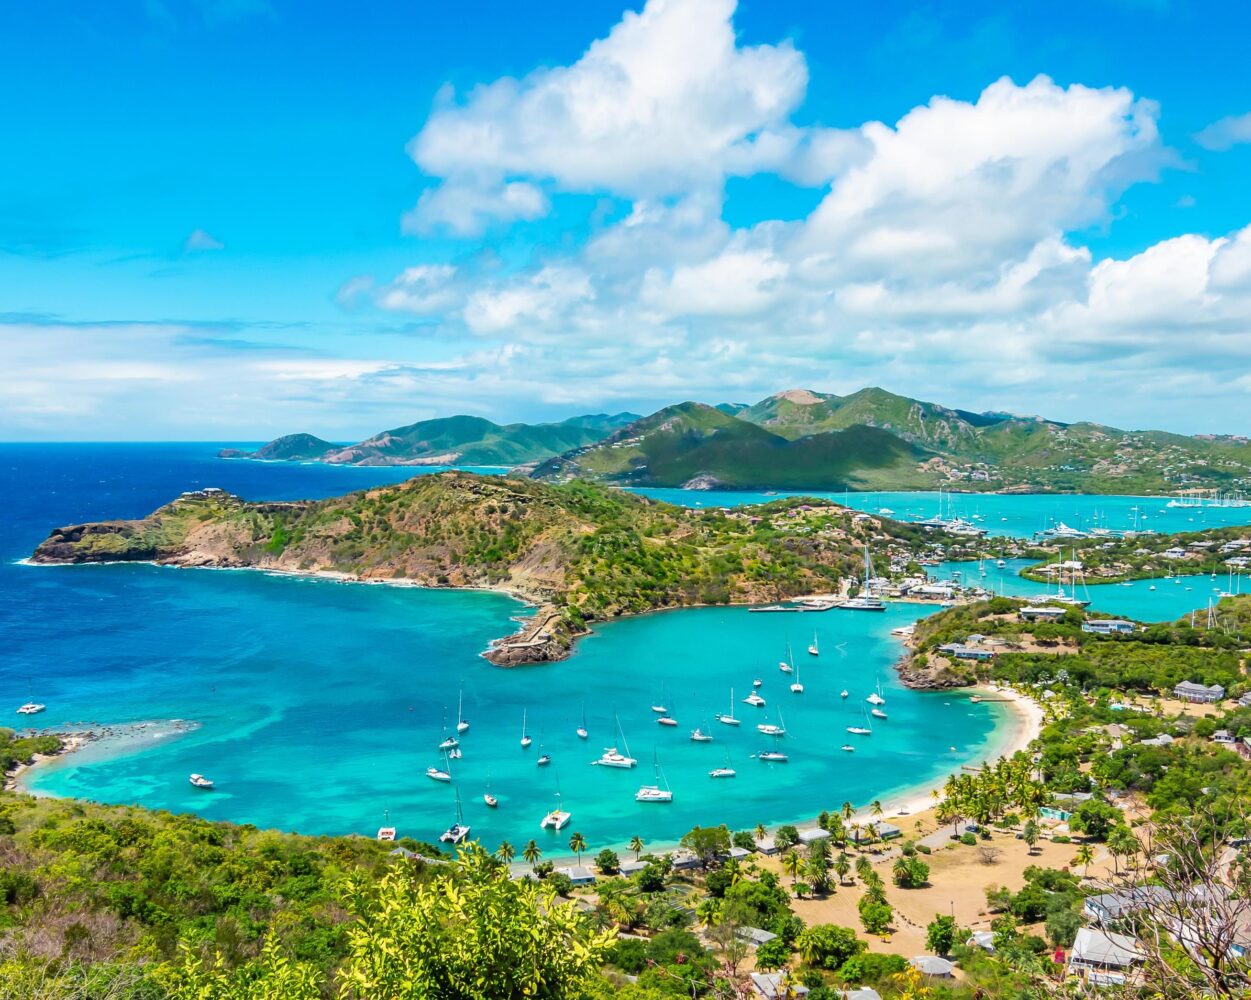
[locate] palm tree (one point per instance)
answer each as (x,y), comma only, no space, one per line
(792,864)
(636,845)
(505,852)
(864,867)
(577,843)
(876,807)
(848,811)
(842,865)
(760,831)
(532,853)
(1029,834)
(1084,856)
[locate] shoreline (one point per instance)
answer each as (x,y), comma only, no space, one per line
(109,740)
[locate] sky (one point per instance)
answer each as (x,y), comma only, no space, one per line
(232,219)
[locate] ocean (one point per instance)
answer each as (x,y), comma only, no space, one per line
(317,706)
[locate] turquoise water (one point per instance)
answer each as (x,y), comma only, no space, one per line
(319,705)
(1018,515)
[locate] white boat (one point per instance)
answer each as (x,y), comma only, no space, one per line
(450,743)
(849,748)
(864,601)
(722,772)
(461,725)
(754,699)
(455,754)
(490,799)
(699,736)
(1000,563)
(659,708)
(438,774)
(875,699)
(843,693)
(757,682)
(769,729)
(459,830)
(31,708)
(865,730)
(611,757)
(877,713)
(556,819)
(654,793)
(728,717)
(666,720)
(543,760)
(773,755)
(581,730)
(199,781)
(386,833)
(814,649)
(797,686)
(525,737)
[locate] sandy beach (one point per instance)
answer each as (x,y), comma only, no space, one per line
(97,742)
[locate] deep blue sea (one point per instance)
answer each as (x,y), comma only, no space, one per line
(319,705)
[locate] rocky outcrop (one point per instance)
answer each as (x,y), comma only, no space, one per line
(543,638)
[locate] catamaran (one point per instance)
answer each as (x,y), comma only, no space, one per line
(814,649)
(654,793)
(611,757)
(557,818)
(581,730)
(386,832)
(754,699)
(459,830)
(199,781)
(31,708)
(461,725)
(796,686)
(728,717)
(525,737)
(875,698)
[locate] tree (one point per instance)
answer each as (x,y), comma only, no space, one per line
(505,852)
(875,916)
(761,832)
(532,852)
(1122,844)
(773,954)
(577,844)
(607,862)
(842,865)
(1084,856)
(827,946)
(876,808)
(636,845)
(707,843)
(848,811)
(910,873)
(792,864)
(786,836)
(1094,818)
(940,934)
(864,868)
(1030,834)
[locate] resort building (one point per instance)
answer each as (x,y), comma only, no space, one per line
(1109,626)
(1102,958)
(776,985)
(1198,693)
(960,651)
(1245,700)
(1109,907)
(885,831)
(577,874)
(811,834)
(1042,613)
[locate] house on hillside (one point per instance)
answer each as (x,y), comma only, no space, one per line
(1109,626)
(776,985)
(1102,958)
(1198,693)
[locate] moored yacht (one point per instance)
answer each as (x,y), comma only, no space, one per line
(666,720)
(877,713)
(728,717)
(450,743)
(611,757)
(581,730)
(754,699)
(722,772)
(462,726)
(199,781)
(848,747)
(31,708)
(459,830)
(438,774)
(699,736)
(773,755)
(814,649)
(543,759)
(654,793)
(557,818)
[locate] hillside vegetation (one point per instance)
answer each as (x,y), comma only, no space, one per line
(585,551)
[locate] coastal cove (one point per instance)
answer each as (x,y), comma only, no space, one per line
(234,651)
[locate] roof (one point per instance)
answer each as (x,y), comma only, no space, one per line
(1123,901)
(982,939)
(769,985)
(578,873)
(860,993)
(1104,948)
(1191,686)
(932,965)
(756,935)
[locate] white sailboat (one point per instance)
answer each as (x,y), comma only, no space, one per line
(581,730)
(659,708)
(775,756)
(525,737)
(787,665)
(754,699)
(386,832)
(877,713)
(864,601)
(654,793)
(814,649)
(728,717)
(797,686)
(770,729)
(699,736)
(556,818)
(459,830)
(31,708)
(611,757)
(865,730)
(722,772)
(462,726)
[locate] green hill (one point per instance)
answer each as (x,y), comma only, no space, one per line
(703,446)
(458,440)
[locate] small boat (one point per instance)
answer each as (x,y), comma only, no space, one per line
(582,730)
(543,760)
(722,772)
(654,793)
(797,686)
(450,743)
(461,725)
(438,774)
(611,757)
(1000,564)
(31,708)
(754,699)
(976,699)
(666,720)
(843,693)
(386,833)
(459,830)
(757,682)
(814,649)
(875,699)
(557,818)
(728,717)
(877,713)
(525,737)
(848,747)
(490,799)
(785,667)
(455,753)
(769,729)
(199,781)
(865,730)
(773,755)
(659,707)
(699,736)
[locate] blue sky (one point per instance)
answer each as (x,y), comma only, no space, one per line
(229,219)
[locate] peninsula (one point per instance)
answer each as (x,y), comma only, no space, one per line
(581,552)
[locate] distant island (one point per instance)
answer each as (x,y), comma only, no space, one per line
(805,440)
(581,552)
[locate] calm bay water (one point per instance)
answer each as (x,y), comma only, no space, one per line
(319,705)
